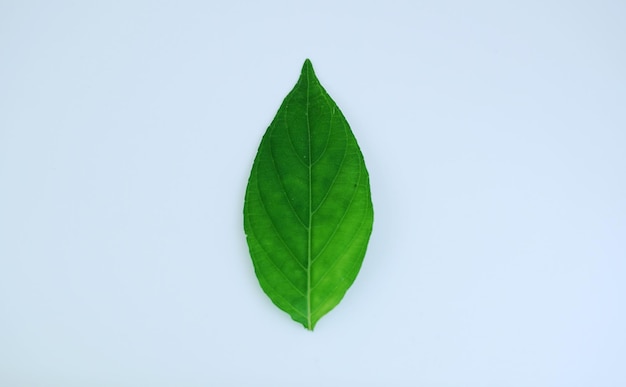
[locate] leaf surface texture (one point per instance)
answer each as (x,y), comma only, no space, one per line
(308,212)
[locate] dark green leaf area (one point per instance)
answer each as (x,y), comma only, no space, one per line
(308,212)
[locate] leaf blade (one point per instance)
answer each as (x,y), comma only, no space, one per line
(308,213)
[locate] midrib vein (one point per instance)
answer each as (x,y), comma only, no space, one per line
(310,165)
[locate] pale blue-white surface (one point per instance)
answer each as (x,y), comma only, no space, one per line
(495,136)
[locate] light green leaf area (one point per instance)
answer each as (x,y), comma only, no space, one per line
(308,212)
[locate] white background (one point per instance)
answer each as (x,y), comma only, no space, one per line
(495,137)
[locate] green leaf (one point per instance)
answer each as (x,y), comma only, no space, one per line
(308,212)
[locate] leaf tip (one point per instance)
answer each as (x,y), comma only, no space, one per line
(307,66)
